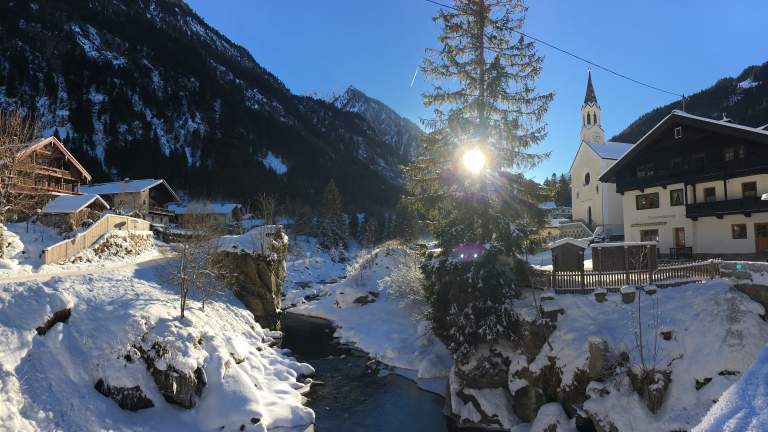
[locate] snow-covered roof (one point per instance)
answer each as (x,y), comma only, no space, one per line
(547,205)
(622,244)
(611,149)
(201,207)
(71,203)
(567,240)
(689,119)
(125,186)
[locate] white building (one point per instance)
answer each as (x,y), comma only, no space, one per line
(595,203)
(694,185)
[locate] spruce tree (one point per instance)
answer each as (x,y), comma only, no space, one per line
(483,99)
(332,224)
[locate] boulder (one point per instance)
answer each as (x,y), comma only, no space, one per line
(60,316)
(758,293)
(526,402)
(364,300)
(127,398)
(488,371)
(177,387)
(551,418)
(598,358)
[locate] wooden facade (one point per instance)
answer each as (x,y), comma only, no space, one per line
(46,166)
(568,255)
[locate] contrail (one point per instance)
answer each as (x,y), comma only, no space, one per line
(414,78)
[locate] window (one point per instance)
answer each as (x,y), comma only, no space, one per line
(647,201)
(676,197)
(645,170)
(675,163)
(741,151)
(588,119)
(586,179)
(749,190)
(678,132)
(709,195)
(649,235)
(729,153)
(739,231)
(597,188)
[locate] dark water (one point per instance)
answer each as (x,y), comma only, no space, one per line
(351,398)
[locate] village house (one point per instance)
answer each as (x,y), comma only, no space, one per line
(693,185)
(148,197)
(208,213)
(595,203)
(69,212)
(45,166)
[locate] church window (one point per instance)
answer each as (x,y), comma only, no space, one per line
(586,179)
(588,119)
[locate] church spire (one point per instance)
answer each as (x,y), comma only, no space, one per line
(591,118)
(590,97)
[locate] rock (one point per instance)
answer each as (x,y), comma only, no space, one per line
(177,387)
(727,372)
(701,383)
(527,401)
(488,371)
(597,363)
(258,281)
(650,289)
(651,385)
(666,334)
(127,398)
(758,293)
(364,300)
(601,295)
(551,418)
(583,422)
(628,293)
(601,424)
(59,316)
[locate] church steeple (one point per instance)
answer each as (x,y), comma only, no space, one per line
(591,129)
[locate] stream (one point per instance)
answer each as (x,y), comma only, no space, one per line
(348,397)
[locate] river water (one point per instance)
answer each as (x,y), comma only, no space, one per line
(349,398)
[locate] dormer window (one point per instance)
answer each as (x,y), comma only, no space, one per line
(586,179)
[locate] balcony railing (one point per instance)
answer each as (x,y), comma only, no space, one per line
(720,208)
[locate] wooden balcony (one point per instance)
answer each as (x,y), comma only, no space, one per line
(745,206)
(50,171)
(32,189)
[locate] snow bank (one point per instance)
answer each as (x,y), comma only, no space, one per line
(744,406)
(374,310)
(47,382)
(262,240)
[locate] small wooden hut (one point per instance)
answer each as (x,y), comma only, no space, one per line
(624,256)
(67,212)
(567,255)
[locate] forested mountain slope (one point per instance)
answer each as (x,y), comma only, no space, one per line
(146,88)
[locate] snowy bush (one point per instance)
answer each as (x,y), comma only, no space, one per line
(471,302)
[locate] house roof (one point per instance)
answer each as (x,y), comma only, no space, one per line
(568,240)
(682,117)
(547,205)
(126,186)
(201,207)
(36,144)
(71,203)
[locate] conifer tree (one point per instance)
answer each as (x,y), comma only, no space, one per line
(483,99)
(332,224)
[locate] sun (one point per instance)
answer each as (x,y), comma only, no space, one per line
(474,161)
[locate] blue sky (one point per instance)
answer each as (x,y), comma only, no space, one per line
(681,45)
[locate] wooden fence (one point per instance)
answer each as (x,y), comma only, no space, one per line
(588,281)
(66,249)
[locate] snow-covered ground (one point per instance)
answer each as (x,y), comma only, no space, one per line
(374,307)
(716,334)
(47,382)
(25,244)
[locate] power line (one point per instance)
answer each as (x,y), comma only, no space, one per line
(576,56)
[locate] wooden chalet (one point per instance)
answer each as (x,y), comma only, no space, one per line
(693,185)
(45,166)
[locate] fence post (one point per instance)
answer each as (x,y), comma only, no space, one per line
(583,285)
(626,265)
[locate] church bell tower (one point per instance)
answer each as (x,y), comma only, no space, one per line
(591,129)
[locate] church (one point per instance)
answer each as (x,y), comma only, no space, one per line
(596,203)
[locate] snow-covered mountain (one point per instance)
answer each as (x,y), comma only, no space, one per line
(401,134)
(146,88)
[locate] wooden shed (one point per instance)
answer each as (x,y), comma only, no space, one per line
(67,212)
(624,256)
(567,255)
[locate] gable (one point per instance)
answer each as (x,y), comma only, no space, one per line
(52,147)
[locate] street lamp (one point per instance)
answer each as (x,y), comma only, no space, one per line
(474,160)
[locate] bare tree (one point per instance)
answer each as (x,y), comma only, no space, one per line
(267,206)
(197,267)
(16,132)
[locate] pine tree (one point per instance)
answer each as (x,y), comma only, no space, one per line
(354,225)
(484,97)
(483,100)
(563,194)
(332,224)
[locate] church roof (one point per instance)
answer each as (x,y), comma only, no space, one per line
(590,97)
(610,149)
